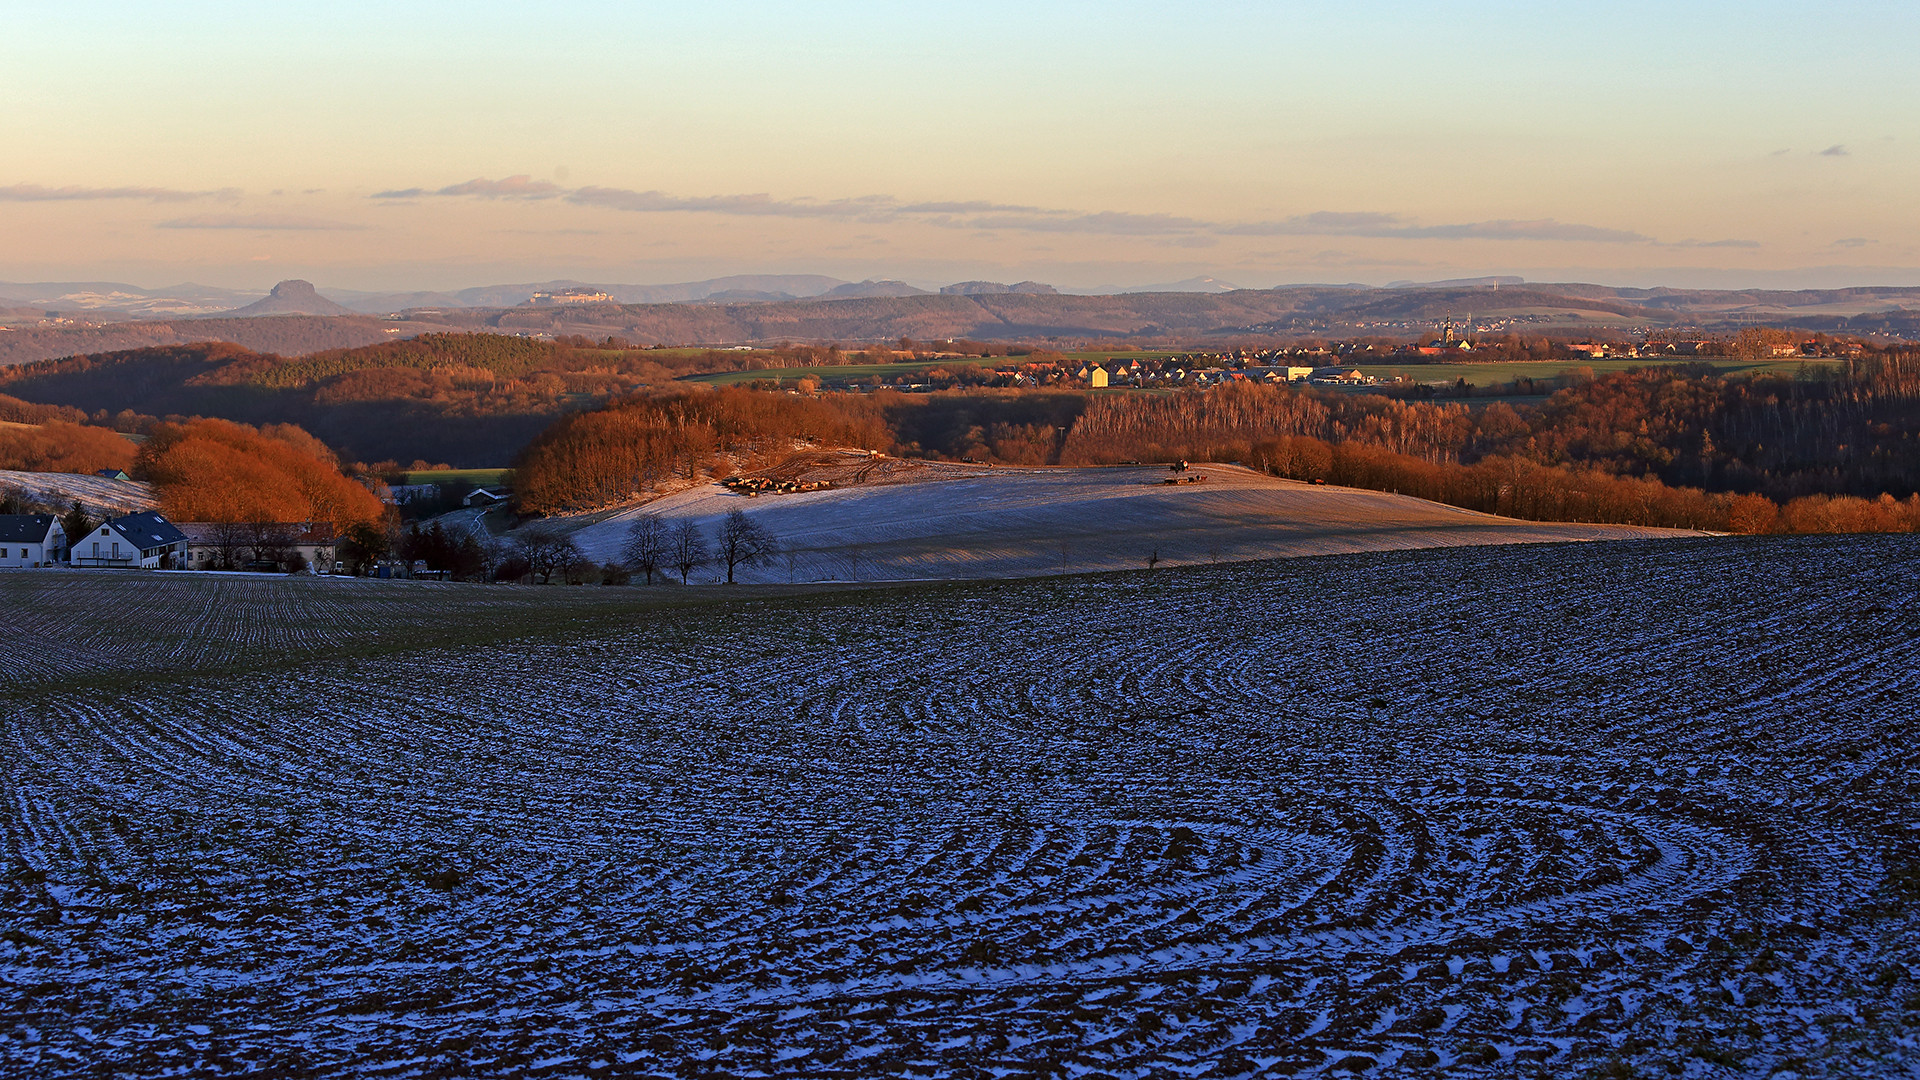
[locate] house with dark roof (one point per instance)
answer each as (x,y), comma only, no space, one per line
(28,540)
(143,541)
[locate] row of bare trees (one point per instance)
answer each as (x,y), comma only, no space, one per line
(240,545)
(652,546)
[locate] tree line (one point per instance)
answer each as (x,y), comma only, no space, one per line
(652,547)
(219,471)
(473,399)
(634,445)
(1674,446)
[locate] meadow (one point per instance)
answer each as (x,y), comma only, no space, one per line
(1604,810)
(460,477)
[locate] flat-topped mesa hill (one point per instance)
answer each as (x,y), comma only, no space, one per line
(291,297)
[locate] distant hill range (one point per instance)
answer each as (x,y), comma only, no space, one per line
(764,309)
(1195,284)
(775,286)
(1303,311)
(994,288)
(115,299)
(286,335)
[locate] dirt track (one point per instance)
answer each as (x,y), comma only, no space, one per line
(934,520)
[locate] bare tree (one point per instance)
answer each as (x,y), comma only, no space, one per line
(853,562)
(646,545)
(546,551)
(267,542)
(744,542)
(228,538)
(578,569)
(1153,558)
(492,554)
(686,549)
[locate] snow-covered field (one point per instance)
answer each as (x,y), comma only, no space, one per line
(1633,809)
(919,520)
(95,492)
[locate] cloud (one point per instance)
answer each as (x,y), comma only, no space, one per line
(1716,244)
(1542,229)
(520,186)
(976,207)
(984,216)
(1853,242)
(1108,224)
(1395,227)
(270,222)
(1321,223)
(864,208)
(1836,150)
(39,193)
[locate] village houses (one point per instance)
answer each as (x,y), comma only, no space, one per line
(144,541)
(261,546)
(148,541)
(31,540)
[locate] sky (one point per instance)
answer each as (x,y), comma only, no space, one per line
(402,146)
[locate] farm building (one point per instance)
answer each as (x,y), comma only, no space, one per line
(484,497)
(144,541)
(112,474)
(31,540)
(272,546)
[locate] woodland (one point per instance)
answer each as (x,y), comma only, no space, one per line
(593,423)
(468,399)
(1658,446)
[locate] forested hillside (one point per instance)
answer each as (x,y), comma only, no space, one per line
(1638,447)
(292,335)
(1852,433)
(479,400)
(465,399)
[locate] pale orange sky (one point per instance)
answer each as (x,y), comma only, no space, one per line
(433,146)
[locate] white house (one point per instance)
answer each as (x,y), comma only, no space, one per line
(31,540)
(268,546)
(144,541)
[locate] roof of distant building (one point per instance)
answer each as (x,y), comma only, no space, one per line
(148,529)
(24,528)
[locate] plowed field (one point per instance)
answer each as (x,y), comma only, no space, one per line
(1641,808)
(892,519)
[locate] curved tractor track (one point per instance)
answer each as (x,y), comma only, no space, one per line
(1636,809)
